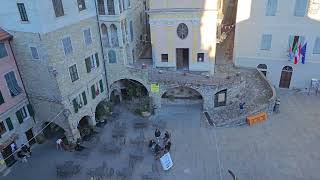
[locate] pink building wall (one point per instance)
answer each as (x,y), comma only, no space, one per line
(8,64)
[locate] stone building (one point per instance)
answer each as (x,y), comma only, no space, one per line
(281,38)
(16,114)
(58,50)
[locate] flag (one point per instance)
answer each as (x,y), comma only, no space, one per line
(303,53)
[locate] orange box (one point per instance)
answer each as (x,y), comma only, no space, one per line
(254,119)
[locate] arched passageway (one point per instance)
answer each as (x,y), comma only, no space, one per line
(182,95)
(52,130)
(84,127)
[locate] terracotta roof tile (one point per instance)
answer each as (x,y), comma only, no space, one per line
(4,35)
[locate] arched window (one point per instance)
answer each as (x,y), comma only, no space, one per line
(285,79)
(114,35)
(287,68)
(112,56)
(263,68)
(105,36)
(110,4)
(220,98)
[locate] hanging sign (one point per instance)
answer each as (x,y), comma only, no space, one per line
(155,88)
(166,161)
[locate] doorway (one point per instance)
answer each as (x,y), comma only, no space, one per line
(30,137)
(182,58)
(286,75)
(7,155)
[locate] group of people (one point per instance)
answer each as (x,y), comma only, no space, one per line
(160,145)
(23,153)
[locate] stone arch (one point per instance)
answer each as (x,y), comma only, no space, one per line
(84,125)
(121,86)
(102,109)
(54,130)
(195,93)
(286,75)
(132,79)
(114,35)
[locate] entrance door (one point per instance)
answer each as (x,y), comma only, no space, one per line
(8,158)
(286,75)
(30,136)
(182,56)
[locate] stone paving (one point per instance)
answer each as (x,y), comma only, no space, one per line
(283,148)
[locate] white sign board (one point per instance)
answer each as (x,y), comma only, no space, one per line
(166,161)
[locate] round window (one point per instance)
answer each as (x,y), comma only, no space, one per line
(182,31)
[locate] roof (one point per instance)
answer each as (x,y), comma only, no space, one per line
(4,35)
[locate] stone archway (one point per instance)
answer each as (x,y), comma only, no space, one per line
(103,110)
(85,125)
(52,130)
(128,88)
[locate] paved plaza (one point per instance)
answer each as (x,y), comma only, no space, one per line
(286,147)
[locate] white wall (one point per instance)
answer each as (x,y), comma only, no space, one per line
(41,15)
(252,23)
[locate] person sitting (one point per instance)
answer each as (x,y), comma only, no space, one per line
(167,147)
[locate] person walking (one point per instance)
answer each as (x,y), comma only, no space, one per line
(157,134)
(59,144)
(241,107)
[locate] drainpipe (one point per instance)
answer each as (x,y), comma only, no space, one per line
(102,50)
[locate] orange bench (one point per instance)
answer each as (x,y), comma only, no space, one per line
(254,119)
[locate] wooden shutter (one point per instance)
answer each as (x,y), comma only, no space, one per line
(75,105)
(266,41)
(101,85)
(1,98)
(300,8)
(3,51)
(97,59)
(30,109)
(271,7)
(93,92)
(58,8)
(22,11)
(88,64)
(84,97)
(131,31)
(316,49)
(19,116)
(9,124)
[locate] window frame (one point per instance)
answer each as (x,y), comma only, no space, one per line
(164,60)
(63,46)
(86,42)
(22,9)
(56,10)
(2,127)
(5,50)
(14,83)
(271,12)
(83,4)
(216,98)
(9,121)
(202,54)
(72,73)
(264,47)
(30,47)
(295,13)
(2,101)
(316,47)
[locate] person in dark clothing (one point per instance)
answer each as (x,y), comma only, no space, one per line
(166,137)
(26,150)
(157,134)
(22,156)
(152,144)
(167,147)
(241,107)
(157,151)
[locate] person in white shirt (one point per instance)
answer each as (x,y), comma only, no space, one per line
(59,143)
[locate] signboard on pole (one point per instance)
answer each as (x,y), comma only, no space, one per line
(155,88)
(166,161)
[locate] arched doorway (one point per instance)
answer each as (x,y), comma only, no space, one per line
(52,130)
(84,127)
(105,35)
(181,95)
(286,75)
(115,97)
(103,110)
(263,68)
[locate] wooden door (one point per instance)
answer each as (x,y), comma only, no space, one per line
(7,156)
(30,138)
(285,79)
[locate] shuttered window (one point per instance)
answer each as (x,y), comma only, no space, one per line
(2,129)
(58,7)
(316,48)
(93,92)
(21,114)
(9,124)
(1,98)
(110,4)
(112,56)
(271,7)
(67,45)
(73,73)
(84,97)
(81,5)
(266,42)
(3,51)
(92,62)
(34,52)
(22,11)
(101,85)
(131,31)
(12,84)
(75,105)
(301,8)
(87,36)
(30,110)
(101,8)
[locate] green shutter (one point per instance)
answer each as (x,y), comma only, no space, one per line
(101,85)
(93,92)
(9,124)
(19,116)
(88,64)
(84,97)
(97,59)
(30,109)
(1,98)
(75,105)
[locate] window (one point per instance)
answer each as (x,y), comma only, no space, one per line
(112,56)
(101,7)
(34,53)
(114,35)
(182,31)
(266,42)
(263,68)
(220,98)
(110,4)
(58,7)
(22,11)
(73,73)
(133,57)
(81,5)
(316,48)
(131,31)
(2,128)
(22,115)
(87,36)
(9,124)
(200,57)
(79,101)
(3,51)
(67,45)
(92,62)
(105,36)
(84,97)
(301,8)
(271,7)
(120,6)
(123,32)
(1,98)
(12,84)
(96,89)
(164,57)
(101,85)
(30,110)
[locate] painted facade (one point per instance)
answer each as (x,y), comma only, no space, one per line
(15,112)
(196,51)
(56,72)
(277,22)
